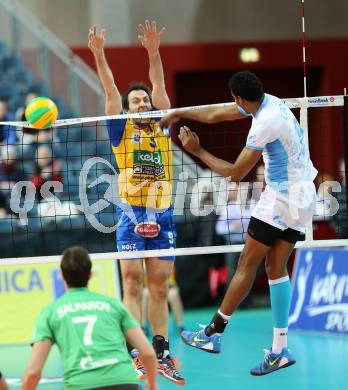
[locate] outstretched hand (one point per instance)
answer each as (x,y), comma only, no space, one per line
(149,37)
(189,140)
(169,119)
(96,42)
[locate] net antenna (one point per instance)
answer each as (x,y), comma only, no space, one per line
(304,109)
(304,48)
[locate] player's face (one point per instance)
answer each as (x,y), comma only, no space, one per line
(238,100)
(139,101)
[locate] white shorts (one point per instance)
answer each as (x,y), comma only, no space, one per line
(285,211)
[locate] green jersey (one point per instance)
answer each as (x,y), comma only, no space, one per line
(89,329)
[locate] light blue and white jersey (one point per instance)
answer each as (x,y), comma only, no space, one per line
(276,131)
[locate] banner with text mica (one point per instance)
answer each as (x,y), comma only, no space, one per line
(26,289)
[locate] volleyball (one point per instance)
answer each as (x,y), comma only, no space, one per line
(41,112)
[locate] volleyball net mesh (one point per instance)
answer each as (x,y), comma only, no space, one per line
(61,187)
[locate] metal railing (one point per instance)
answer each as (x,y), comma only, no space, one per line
(64,74)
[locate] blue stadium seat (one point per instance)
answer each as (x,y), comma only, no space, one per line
(71,150)
(23,78)
(39,88)
(6,225)
(15,102)
(24,75)
(4,50)
(77,221)
(8,91)
(104,149)
(107,218)
(62,134)
(89,149)
(10,64)
(74,133)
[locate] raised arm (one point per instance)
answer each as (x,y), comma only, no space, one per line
(150,39)
(113,103)
(205,115)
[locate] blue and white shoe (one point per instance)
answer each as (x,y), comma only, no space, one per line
(200,340)
(273,362)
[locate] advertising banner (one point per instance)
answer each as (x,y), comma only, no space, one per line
(320,291)
(26,289)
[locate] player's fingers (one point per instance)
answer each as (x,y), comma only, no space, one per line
(188,131)
(147,24)
(153,26)
(141,29)
(182,131)
(163,30)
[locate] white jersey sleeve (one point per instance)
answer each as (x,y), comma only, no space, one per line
(260,134)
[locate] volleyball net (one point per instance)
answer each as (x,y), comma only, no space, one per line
(61,187)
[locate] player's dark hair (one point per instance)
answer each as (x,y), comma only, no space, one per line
(246,85)
(135,87)
(76,266)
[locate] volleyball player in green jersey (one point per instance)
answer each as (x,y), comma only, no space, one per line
(90,331)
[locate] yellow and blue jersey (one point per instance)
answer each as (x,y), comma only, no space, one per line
(144,159)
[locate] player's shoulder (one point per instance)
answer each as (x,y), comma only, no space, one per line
(113,301)
(268,112)
(48,310)
(269,104)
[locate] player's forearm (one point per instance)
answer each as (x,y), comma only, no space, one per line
(156,74)
(30,381)
(160,98)
(222,167)
(150,363)
(105,75)
(211,114)
(204,115)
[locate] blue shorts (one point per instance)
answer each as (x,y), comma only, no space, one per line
(131,238)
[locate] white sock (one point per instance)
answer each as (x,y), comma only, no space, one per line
(280,339)
(224,316)
(165,353)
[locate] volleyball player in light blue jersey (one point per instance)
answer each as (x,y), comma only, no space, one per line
(279,218)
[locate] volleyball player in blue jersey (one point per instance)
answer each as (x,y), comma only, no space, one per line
(279,218)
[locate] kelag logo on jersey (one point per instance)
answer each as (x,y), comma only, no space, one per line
(145,157)
(148,163)
(320,291)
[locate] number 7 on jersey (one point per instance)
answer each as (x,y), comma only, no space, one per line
(90,322)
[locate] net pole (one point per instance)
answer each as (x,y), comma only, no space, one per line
(304,111)
(304,48)
(304,125)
